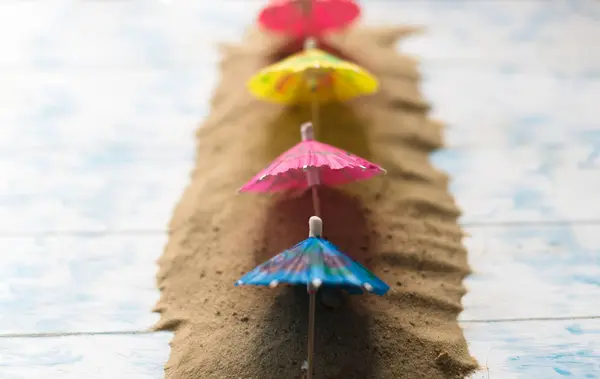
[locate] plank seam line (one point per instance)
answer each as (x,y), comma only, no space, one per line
(74,334)
(143,332)
(528,319)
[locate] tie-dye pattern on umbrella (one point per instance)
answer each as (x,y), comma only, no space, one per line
(315,260)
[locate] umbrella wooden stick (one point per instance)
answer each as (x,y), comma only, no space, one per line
(314,106)
(312,173)
(315,227)
(311,331)
(316,201)
(305,7)
(310,43)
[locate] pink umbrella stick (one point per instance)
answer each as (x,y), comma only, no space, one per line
(312,173)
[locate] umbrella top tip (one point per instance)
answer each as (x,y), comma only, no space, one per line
(315,226)
(307,131)
(310,44)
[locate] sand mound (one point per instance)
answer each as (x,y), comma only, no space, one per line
(403,226)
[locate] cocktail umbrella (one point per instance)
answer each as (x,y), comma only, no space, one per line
(308,164)
(288,81)
(315,262)
(308,18)
(312,76)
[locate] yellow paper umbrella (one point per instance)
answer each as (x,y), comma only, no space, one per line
(312,76)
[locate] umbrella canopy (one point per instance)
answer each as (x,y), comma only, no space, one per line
(302,18)
(309,76)
(316,262)
(328,165)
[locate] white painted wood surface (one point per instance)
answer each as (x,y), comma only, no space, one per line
(530,271)
(99,100)
(109,356)
(536,349)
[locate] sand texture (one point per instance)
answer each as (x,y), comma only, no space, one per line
(403,226)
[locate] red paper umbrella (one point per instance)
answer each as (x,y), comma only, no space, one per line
(304,18)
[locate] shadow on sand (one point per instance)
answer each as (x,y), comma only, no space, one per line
(342,342)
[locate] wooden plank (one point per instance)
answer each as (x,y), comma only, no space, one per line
(513,108)
(78,284)
(540,350)
(160,108)
(525,184)
(94,191)
(90,357)
(504,33)
(544,350)
(519,272)
(163,33)
(103,108)
(533,272)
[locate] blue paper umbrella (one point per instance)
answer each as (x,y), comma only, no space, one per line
(316,262)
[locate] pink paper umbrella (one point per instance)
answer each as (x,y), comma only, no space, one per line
(311,163)
(304,18)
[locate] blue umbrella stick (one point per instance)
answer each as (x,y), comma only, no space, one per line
(311,330)
(315,226)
